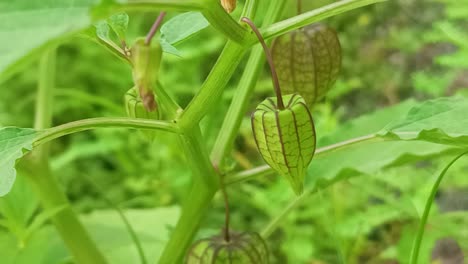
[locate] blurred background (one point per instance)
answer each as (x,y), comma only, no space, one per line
(392,52)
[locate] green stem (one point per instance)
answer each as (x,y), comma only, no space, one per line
(148,5)
(122,216)
(265,169)
(168,103)
(223,22)
(103,122)
(246,175)
(427,208)
(197,202)
(45,97)
(268,230)
(240,101)
(315,15)
(211,9)
(73,233)
(66,221)
(212,88)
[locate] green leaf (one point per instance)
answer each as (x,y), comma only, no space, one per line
(440,121)
(19,205)
(102,31)
(13,141)
(27,27)
(183,26)
(168,48)
(371,156)
(119,24)
(151,226)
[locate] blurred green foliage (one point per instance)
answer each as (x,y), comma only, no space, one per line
(392,51)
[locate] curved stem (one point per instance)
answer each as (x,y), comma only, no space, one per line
(122,216)
(154,28)
(50,193)
(312,16)
(427,208)
(103,122)
(274,75)
(268,230)
(265,169)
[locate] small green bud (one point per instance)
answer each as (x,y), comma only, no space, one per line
(135,108)
(229,5)
(242,248)
(286,137)
(146,60)
(308,61)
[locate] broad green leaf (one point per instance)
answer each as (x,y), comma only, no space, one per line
(151,226)
(13,141)
(372,156)
(183,26)
(27,27)
(440,121)
(119,23)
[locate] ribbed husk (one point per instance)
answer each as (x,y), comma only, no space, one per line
(286,138)
(308,61)
(242,248)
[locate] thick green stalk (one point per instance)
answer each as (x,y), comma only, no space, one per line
(212,88)
(197,202)
(240,101)
(219,76)
(50,194)
(315,15)
(211,9)
(223,22)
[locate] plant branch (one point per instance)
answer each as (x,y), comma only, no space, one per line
(274,75)
(198,200)
(265,169)
(427,208)
(315,15)
(240,101)
(154,28)
(120,212)
(212,88)
(103,122)
(268,230)
(72,232)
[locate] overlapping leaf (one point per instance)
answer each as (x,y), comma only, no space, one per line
(13,141)
(442,121)
(393,147)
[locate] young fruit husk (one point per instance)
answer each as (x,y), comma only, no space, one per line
(146,60)
(286,137)
(308,61)
(135,109)
(242,248)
